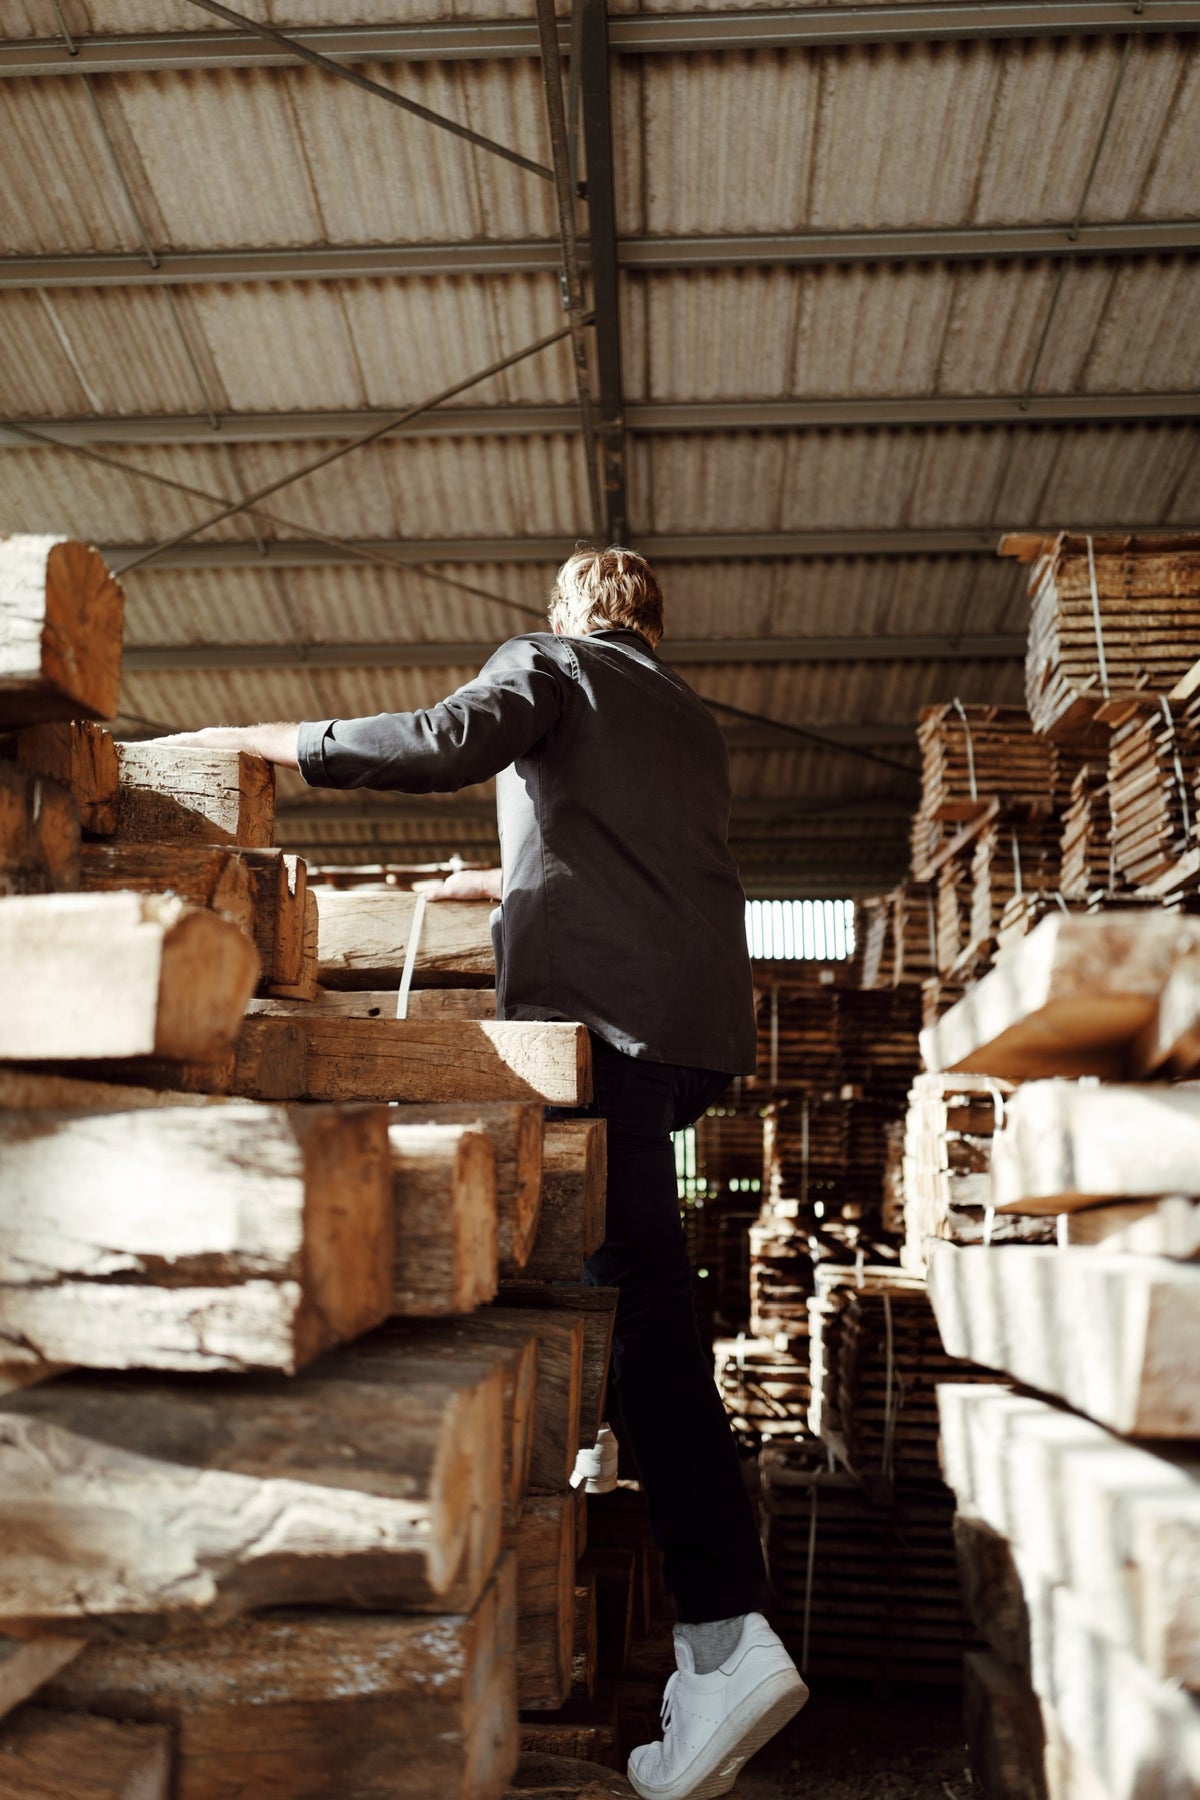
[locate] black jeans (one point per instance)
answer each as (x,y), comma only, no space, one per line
(675,1424)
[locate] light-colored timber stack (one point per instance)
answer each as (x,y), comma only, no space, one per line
(1153,765)
(1079,1513)
(250,1313)
(1088,864)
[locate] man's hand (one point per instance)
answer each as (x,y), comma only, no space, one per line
(275,743)
(466,884)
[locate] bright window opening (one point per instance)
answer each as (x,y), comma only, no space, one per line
(800,930)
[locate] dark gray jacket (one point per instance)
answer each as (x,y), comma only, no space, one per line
(622,906)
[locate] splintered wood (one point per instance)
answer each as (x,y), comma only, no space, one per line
(173,796)
(1111,616)
(192,1238)
(61,622)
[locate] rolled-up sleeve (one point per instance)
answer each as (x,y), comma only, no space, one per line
(517,697)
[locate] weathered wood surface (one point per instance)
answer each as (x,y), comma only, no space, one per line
(306,1706)
(365,933)
(1167,1227)
(380,1003)
(574,1179)
(444,1188)
(26,1663)
(1170,1042)
(493,1337)
(39,834)
(193,1238)
(101,975)
(597,1307)
(544,1542)
(991,1590)
(266,1061)
(583,1651)
(1005,1737)
(1065,1146)
(33,1090)
(1069,1000)
(445,1060)
(1118,1525)
(616,1573)
(305,986)
(61,621)
(137,1504)
(66,1756)
(560,1364)
(82,757)
(542,1776)
(184,796)
(516,1130)
(1116,1336)
(1092,1686)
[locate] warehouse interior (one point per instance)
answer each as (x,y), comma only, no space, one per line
(335,327)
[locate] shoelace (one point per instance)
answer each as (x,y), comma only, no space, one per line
(665,1712)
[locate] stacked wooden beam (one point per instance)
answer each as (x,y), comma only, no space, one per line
(1111,618)
(764,1384)
(973,755)
(825,1038)
(1153,764)
(1013,861)
(864,1591)
(1088,862)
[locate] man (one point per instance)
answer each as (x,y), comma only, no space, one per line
(621,908)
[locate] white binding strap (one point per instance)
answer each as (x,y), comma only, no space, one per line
(410,957)
(961,710)
(1096,617)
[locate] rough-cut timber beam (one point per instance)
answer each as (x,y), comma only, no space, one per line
(602,218)
(643,416)
(629,34)
(320,262)
(694,546)
(995,647)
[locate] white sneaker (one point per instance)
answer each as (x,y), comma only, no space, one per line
(596,1469)
(713,1723)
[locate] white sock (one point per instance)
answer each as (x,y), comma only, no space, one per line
(712,1641)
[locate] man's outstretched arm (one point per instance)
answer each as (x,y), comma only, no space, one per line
(274,743)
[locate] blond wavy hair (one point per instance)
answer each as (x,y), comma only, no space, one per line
(607,590)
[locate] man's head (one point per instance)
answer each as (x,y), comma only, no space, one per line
(607,590)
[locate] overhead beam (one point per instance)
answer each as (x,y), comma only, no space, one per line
(660,547)
(848,809)
(636,34)
(934,646)
(602,225)
(657,416)
(355,262)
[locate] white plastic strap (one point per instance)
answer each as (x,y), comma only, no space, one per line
(989,1219)
(1016,844)
(961,710)
(1096,617)
(410,957)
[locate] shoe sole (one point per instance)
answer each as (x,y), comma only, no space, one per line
(789,1698)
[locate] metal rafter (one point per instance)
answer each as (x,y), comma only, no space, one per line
(640,416)
(323,262)
(602,217)
(980,647)
(633,34)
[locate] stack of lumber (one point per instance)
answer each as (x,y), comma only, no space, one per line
(955,901)
(972,756)
(825,1038)
(951,1129)
(1088,863)
(1077,1510)
(1153,763)
(1012,861)
(781,1272)
(864,1591)
(914,935)
(873,929)
(938,994)
(764,1384)
(1111,618)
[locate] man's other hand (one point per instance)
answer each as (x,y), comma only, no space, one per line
(466,884)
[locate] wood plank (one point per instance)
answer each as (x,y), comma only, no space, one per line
(1065,1145)
(1170,1041)
(1116,1336)
(39,834)
(263,1063)
(444,1191)
(82,757)
(209,875)
(597,1307)
(305,986)
(276,1242)
(444,1060)
(1168,1227)
(31,1090)
(1068,1000)
(186,796)
(544,1543)
(304,1706)
(136,1503)
(583,1657)
(26,1663)
(574,1183)
(365,933)
(94,975)
(517,1133)
(560,1363)
(380,1003)
(50,1756)
(1131,1554)
(61,621)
